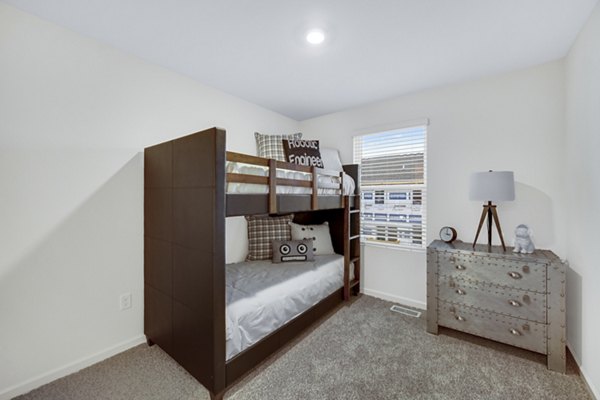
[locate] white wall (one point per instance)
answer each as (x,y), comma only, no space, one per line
(512,122)
(74,118)
(583,189)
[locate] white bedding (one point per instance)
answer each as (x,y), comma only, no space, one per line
(326,183)
(262,296)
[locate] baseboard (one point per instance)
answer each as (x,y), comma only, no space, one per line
(68,369)
(594,392)
(396,299)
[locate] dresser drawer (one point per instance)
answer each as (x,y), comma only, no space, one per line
(506,272)
(516,332)
(499,299)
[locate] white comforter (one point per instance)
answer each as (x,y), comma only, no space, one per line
(262,296)
(326,182)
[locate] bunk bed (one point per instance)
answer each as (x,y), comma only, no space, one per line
(191,184)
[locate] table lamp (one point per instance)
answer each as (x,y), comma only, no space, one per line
(491,186)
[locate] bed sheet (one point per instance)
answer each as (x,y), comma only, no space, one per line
(262,296)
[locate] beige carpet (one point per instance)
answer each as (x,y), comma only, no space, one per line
(363,351)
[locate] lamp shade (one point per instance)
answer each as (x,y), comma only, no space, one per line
(492,186)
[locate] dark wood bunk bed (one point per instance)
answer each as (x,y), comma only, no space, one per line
(185,206)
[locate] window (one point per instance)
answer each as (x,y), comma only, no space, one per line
(393,187)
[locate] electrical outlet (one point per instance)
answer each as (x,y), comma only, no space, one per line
(125,301)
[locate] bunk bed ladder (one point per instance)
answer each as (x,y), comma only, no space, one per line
(351,246)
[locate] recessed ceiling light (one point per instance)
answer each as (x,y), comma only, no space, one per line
(315,36)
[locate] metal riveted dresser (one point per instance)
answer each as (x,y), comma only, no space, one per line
(518,299)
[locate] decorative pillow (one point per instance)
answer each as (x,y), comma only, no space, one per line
(270,146)
(262,230)
(331,159)
(302,152)
(292,250)
(318,233)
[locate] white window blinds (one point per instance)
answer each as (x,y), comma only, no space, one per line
(393,186)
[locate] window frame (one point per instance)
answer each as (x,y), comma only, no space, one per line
(388,189)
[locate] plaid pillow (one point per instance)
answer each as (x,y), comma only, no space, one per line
(262,230)
(271,146)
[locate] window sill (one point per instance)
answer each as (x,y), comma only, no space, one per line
(395,247)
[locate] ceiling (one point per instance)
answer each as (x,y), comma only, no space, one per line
(374,50)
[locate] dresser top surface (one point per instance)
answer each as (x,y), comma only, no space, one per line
(495,251)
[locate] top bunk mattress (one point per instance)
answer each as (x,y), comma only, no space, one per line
(262,296)
(325,181)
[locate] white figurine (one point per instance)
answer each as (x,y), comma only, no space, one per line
(523,243)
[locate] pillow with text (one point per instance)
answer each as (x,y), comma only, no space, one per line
(302,152)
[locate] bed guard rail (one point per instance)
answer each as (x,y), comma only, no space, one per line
(272,181)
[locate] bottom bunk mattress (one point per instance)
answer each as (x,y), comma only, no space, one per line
(262,296)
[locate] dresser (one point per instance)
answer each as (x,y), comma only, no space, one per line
(517,299)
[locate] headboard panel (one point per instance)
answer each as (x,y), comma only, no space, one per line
(184,252)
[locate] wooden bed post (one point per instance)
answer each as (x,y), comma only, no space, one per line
(314,199)
(346,201)
(342,197)
(272,186)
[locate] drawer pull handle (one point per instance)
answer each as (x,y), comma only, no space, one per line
(460,291)
(515,332)
(514,275)
(460,267)
(460,318)
(514,303)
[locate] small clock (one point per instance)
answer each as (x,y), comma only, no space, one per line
(448,234)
